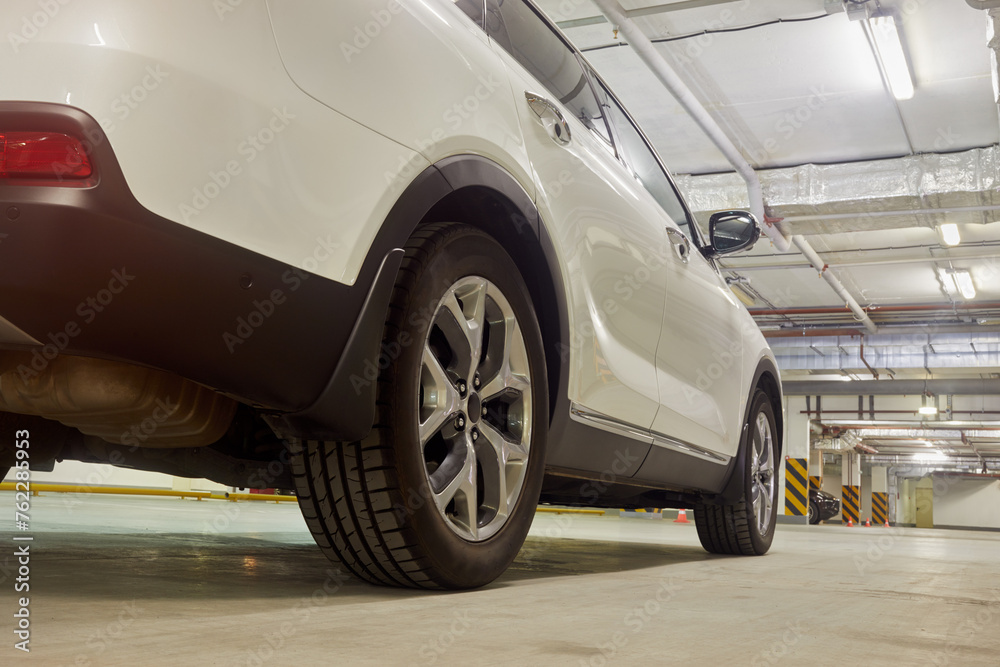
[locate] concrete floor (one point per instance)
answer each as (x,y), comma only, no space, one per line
(140,581)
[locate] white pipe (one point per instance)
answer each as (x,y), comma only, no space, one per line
(838,287)
(668,77)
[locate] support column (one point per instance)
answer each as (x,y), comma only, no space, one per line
(850,496)
(793,492)
(880,495)
(815,470)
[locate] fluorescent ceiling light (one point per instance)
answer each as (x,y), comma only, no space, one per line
(948,280)
(930,457)
(949,234)
(928,405)
(964,281)
(928,410)
(890,50)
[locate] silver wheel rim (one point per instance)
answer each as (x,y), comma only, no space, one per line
(474,417)
(762,473)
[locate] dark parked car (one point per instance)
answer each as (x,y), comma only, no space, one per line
(822,506)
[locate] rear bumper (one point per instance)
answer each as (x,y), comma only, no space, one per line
(86,270)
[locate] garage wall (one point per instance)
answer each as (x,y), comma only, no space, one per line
(973,503)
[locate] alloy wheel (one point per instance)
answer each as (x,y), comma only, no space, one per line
(474,416)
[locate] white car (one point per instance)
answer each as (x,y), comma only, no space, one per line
(411,259)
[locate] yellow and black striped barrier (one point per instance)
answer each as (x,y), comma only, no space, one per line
(851,503)
(880,507)
(815,482)
(796,487)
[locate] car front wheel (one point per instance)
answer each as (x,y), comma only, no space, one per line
(747,526)
(443,490)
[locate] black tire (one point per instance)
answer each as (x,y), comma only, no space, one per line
(735,529)
(813,513)
(370,504)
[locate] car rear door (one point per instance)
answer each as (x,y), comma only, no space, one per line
(699,355)
(610,247)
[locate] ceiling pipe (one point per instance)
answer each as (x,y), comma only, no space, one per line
(803,333)
(859,424)
(764,312)
(859,313)
(891,388)
(668,77)
(951,257)
(936,212)
(903,328)
(644,11)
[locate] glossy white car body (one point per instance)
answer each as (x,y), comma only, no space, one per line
(291,128)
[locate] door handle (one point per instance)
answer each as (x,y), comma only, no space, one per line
(549,117)
(680,245)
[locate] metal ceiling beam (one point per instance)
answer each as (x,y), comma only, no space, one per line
(669,78)
(891,387)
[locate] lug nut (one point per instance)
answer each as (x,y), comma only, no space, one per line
(475,435)
(460,423)
(462,387)
(485,410)
(476,381)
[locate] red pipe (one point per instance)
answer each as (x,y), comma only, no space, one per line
(813,332)
(993,305)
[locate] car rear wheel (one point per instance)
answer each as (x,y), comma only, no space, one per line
(813,513)
(443,490)
(747,526)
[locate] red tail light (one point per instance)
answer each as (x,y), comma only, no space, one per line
(48,155)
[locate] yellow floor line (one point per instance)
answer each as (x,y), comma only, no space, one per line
(37,488)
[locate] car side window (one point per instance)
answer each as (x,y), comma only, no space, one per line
(523,33)
(644,165)
(472,8)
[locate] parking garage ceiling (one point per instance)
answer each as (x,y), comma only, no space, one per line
(868,179)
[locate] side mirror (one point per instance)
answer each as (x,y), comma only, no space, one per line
(732,231)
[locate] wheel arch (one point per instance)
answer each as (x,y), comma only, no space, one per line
(767,379)
(486,196)
(479,192)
